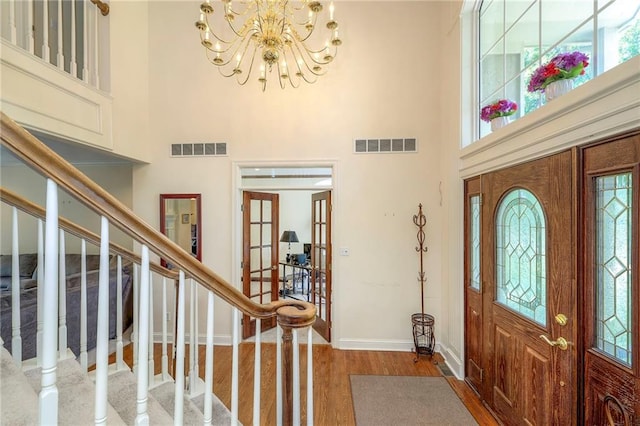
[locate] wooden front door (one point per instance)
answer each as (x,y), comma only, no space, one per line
(611,298)
(473,337)
(529,325)
(260,212)
(321,261)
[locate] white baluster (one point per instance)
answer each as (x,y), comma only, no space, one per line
(85,41)
(12,22)
(60,29)
(73,66)
(179,373)
(192,338)
(142,417)
(120,365)
(208,370)
(310,376)
(16,338)
(102,335)
(48,396)
(62,298)
(96,48)
(136,317)
(46,50)
(257,364)
(279,375)
(234,365)
(197,382)
(151,365)
(84,362)
(40,295)
(296,378)
(165,356)
(29,33)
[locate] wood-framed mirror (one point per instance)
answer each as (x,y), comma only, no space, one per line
(181,221)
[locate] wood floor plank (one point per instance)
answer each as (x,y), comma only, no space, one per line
(332,388)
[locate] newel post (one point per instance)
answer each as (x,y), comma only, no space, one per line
(296,315)
(287,376)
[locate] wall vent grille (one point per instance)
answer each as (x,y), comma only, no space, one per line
(361,146)
(198,149)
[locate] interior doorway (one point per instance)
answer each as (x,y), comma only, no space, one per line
(286,238)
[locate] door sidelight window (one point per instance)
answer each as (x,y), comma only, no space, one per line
(613,265)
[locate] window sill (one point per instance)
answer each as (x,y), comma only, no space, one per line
(602,107)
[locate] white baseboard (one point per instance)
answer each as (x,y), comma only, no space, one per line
(453,362)
(381,345)
(375,345)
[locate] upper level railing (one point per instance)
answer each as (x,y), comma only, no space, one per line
(63,33)
(291,314)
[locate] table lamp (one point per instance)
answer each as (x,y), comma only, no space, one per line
(289,237)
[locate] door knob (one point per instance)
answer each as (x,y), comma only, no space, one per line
(560,342)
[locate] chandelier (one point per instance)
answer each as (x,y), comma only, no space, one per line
(272,36)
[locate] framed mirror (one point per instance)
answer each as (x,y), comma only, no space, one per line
(180,220)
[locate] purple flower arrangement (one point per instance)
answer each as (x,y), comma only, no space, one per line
(562,66)
(501,108)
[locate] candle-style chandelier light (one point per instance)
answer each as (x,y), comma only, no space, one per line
(273,36)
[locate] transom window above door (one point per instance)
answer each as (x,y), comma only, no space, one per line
(516,37)
(521,282)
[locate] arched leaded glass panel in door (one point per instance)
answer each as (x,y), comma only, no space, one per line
(521,281)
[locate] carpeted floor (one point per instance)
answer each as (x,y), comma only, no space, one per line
(407,400)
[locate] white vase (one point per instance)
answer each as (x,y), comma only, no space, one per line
(558,88)
(499,122)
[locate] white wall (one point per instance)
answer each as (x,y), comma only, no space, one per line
(452,342)
(295,215)
(129,78)
(385,82)
(116,179)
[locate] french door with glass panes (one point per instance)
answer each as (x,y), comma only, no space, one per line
(260,212)
(321,278)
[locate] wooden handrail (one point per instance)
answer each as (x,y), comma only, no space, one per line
(102,6)
(291,313)
(35,210)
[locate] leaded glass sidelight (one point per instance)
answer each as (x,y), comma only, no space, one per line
(521,282)
(474,242)
(613,265)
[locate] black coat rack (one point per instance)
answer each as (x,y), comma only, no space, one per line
(420,221)
(423,336)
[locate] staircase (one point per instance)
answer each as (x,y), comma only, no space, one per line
(76,388)
(61,386)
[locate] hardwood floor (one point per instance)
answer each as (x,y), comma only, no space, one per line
(332,389)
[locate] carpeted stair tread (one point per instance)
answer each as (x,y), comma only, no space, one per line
(165,395)
(221,414)
(123,392)
(15,394)
(76,394)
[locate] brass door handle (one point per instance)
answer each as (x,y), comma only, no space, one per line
(560,342)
